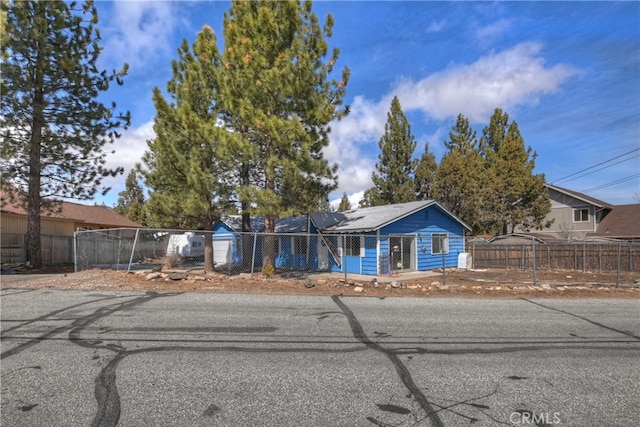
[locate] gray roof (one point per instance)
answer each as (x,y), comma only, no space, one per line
(355,220)
(369,219)
(292,224)
(580,196)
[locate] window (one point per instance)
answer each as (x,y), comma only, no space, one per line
(300,244)
(353,246)
(581,215)
(439,244)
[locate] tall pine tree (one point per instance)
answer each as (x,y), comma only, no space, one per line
(425,175)
(278,97)
(54,128)
(395,168)
(463,184)
(131,201)
(520,196)
(186,165)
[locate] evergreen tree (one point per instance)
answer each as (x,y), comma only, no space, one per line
(520,196)
(463,184)
(277,96)
(345,204)
(186,165)
(425,175)
(54,128)
(395,168)
(131,201)
(371,197)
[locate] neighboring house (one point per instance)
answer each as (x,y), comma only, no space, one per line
(574,214)
(377,240)
(63,221)
(621,223)
(56,229)
(577,216)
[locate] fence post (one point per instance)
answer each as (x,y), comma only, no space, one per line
(619,259)
(444,268)
(253,253)
(584,257)
(75,252)
(344,251)
(534,261)
(133,249)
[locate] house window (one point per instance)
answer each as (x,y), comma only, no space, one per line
(581,215)
(353,246)
(300,245)
(439,244)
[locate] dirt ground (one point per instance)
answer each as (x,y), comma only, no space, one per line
(454,283)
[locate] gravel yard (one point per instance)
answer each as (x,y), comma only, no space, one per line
(463,283)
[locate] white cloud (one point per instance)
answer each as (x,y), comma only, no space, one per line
(436,26)
(129,149)
(137,31)
(493,30)
(506,79)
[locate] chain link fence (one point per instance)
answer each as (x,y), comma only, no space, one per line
(369,254)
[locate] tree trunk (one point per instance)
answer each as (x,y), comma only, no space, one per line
(269,250)
(34,253)
(208,251)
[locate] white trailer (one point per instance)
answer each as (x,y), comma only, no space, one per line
(188,245)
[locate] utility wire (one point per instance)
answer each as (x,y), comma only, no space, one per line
(604,167)
(609,184)
(599,164)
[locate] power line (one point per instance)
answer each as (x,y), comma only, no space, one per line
(609,184)
(599,164)
(604,167)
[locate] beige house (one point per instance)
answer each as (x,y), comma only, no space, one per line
(578,216)
(57,228)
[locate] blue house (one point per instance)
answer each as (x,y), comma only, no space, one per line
(413,236)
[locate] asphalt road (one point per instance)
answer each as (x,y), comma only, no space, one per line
(79,358)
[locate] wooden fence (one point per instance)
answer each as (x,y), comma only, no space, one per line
(55,249)
(580,256)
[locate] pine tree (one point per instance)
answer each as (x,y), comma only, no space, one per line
(54,128)
(371,197)
(277,96)
(425,175)
(131,201)
(463,184)
(345,204)
(395,168)
(520,196)
(186,165)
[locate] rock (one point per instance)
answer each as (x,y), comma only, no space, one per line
(153,276)
(444,287)
(358,289)
(395,284)
(308,284)
(414,287)
(177,275)
(435,283)
(545,286)
(569,277)
(320,282)
(199,278)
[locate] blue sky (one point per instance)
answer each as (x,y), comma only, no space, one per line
(567,72)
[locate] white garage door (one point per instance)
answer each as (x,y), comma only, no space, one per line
(222,251)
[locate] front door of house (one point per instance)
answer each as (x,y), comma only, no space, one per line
(402,253)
